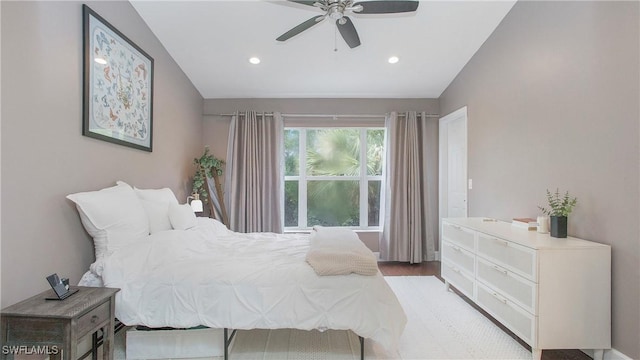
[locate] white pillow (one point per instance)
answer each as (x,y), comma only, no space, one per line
(156,204)
(182,216)
(158,214)
(164,195)
(113,217)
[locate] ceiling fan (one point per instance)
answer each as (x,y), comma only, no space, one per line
(336,9)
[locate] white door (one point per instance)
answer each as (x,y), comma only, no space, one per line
(453,164)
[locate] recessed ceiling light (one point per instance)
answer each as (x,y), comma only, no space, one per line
(100,61)
(254,60)
(393,60)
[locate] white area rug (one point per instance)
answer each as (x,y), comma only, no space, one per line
(441,326)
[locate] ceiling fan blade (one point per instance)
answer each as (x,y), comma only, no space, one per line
(386,6)
(348,32)
(300,28)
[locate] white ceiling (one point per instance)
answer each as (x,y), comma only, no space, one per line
(212,41)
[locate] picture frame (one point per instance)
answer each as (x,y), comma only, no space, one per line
(117,86)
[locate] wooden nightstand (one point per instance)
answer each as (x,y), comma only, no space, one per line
(55,327)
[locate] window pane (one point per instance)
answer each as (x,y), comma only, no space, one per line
(291,203)
(291,152)
(375,151)
(333,203)
(374,202)
(333,152)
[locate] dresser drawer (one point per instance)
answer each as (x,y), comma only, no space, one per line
(459,235)
(93,318)
(517,258)
(509,314)
(458,278)
(458,256)
(512,286)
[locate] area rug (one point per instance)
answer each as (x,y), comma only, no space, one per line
(441,326)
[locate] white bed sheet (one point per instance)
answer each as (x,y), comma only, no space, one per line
(220,279)
(90,279)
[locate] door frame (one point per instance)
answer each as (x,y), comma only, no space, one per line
(460,114)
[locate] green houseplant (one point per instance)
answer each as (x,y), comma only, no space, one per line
(208,166)
(560,206)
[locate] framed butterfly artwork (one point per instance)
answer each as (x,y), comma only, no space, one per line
(118,86)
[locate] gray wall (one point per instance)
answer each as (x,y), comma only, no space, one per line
(553,102)
(44,155)
(216,128)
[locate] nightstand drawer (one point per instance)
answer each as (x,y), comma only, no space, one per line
(93,319)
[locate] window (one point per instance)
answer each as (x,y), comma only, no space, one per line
(333,177)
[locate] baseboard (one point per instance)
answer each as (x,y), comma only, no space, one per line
(609,354)
(436,255)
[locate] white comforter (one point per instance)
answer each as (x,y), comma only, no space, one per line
(221,279)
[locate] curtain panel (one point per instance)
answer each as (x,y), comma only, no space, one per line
(254,186)
(410,202)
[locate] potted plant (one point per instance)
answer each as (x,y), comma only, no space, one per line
(208,166)
(560,206)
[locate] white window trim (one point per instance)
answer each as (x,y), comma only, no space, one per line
(363,179)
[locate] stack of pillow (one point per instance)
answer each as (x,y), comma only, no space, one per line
(120,214)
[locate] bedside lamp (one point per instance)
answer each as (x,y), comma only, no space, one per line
(196,203)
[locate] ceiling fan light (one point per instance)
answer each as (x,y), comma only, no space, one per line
(254,60)
(393,60)
(336,13)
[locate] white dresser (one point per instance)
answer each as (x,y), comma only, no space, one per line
(553,293)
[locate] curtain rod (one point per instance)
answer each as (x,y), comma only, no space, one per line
(335,116)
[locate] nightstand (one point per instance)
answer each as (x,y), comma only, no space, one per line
(55,327)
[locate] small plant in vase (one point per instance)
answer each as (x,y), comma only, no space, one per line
(560,206)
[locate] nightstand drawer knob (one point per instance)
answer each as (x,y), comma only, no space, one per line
(94,319)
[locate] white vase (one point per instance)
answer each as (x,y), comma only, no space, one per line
(543,224)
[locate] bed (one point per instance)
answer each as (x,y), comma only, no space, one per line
(206,275)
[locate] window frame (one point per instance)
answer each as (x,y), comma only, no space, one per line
(363,179)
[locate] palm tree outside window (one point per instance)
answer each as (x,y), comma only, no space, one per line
(333,177)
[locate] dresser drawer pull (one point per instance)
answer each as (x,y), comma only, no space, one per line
(500,298)
(456,227)
(456,248)
(499,269)
(455,269)
(94,319)
(501,242)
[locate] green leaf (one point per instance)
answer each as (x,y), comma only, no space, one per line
(559,205)
(205,165)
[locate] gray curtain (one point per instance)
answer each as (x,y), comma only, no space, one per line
(410,195)
(254,172)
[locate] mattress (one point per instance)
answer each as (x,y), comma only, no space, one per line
(222,279)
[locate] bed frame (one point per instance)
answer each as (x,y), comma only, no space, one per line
(97,341)
(228,338)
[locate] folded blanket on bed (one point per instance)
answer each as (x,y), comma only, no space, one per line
(336,251)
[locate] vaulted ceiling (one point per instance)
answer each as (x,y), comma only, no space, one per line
(212,41)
